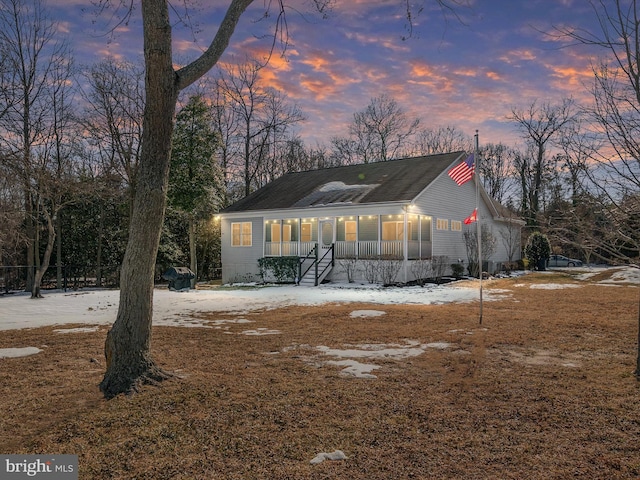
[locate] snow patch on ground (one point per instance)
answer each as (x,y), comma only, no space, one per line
(233,321)
(366,313)
(258,332)
(374,351)
(625,275)
(438,345)
(18,352)
(175,309)
(77,330)
(353,368)
(335,455)
(553,286)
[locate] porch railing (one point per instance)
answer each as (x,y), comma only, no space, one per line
(370,248)
(286,249)
(362,249)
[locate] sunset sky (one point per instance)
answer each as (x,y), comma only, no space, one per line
(468,71)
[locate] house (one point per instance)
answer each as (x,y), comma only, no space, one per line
(408,210)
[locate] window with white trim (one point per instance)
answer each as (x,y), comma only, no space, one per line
(456,226)
(442,224)
(241,234)
(393,230)
(306,234)
(350,231)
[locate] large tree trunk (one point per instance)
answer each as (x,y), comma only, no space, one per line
(127,348)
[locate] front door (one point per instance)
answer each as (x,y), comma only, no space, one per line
(326,234)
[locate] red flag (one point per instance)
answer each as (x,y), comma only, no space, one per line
(472,218)
(464,171)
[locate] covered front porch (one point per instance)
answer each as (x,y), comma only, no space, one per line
(402,236)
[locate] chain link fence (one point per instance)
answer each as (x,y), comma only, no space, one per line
(68,277)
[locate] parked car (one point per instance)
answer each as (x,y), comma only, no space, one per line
(562,261)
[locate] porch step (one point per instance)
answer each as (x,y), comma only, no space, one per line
(309,279)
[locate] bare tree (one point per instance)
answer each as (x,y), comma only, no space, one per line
(345,150)
(578,145)
(496,168)
(539,124)
(439,266)
(113,116)
(421,270)
(616,92)
(12,238)
(442,139)
(488,247)
(350,267)
(226,127)
(579,225)
(511,237)
(57,183)
(378,133)
(281,116)
(33,61)
(262,117)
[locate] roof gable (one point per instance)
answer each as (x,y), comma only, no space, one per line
(391,181)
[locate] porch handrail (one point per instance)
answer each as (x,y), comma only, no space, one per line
(314,255)
(330,264)
(314,252)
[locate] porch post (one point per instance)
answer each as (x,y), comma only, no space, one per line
(379,235)
(405,245)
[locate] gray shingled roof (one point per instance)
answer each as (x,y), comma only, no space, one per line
(392,181)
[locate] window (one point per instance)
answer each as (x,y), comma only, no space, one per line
(368,228)
(275,232)
(286,232)
(442,224)
(456,225)
(350,232)
(425,228)
(393,230)
(306,234)
(241,234)
(413,226)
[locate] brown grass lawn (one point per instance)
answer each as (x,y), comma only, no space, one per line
(543,389)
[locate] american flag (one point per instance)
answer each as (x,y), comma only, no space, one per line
(463,172)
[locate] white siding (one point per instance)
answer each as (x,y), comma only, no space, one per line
(240,264)
(445,200)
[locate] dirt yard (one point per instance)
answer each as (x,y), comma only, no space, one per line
(543,389)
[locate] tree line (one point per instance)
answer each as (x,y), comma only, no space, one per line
(72,135)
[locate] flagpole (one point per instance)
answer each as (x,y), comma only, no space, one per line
(479,231)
